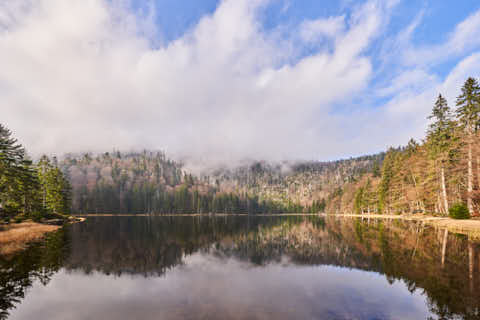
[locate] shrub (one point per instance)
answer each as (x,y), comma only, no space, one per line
(459,211)
(37,216)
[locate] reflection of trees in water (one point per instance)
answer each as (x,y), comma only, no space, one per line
(400,250)
(150,245)
(38,263)
(446,267)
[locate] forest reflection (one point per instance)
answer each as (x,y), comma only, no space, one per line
(38,263)
(444,267)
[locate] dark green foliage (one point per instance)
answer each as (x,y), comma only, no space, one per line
(387,174)
(468,105)
(25,189)
(359,200)
(317,206)
(459,211)
(441,131)
(376,169)
(55,188)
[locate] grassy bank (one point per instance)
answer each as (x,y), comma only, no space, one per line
(470,227)
(15,237)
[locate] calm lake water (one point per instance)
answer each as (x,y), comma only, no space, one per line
(243,267)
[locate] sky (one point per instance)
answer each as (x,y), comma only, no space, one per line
(226,80)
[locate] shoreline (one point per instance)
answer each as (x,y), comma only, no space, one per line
(17,236)
(190,214)
(469,227)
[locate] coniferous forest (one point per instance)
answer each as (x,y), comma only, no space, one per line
(428,176)
(30,189)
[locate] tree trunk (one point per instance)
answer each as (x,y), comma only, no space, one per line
(470,264)
(444,190)
(470,177)
(444,246)
(478,172)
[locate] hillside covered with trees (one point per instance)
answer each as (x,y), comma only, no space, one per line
(149,182)
(430,176)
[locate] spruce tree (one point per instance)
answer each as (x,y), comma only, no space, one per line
(468,115)
(54,187)
(16,176)
(440,136)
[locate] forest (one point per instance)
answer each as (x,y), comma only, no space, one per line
(429,176)
(149,182)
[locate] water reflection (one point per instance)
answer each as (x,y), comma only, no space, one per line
(246,267)
(35,265)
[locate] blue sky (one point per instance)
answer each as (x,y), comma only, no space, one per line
(176,17)
(232,79)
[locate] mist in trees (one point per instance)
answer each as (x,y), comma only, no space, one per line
(149,182)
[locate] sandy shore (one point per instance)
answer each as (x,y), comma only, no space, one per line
(15,237)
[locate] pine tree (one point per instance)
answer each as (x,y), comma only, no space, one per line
(54,187)
(468,115)
(440,136)
(376,169)
(387,175)
(17,180)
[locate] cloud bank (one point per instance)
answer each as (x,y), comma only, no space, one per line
(92,76)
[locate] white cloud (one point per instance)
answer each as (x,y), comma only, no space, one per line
(83,75)
(313,30)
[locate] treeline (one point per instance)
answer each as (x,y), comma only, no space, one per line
(149,182)
(430,176)
(29,190)
(153,199)
(308,183)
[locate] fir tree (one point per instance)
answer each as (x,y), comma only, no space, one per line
(17,180)
(468,114)
(440,136)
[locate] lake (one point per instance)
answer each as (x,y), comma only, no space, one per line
(243,267)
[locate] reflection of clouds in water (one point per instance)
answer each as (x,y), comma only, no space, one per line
(210,287)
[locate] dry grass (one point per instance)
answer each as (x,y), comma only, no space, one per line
(469,227)
(16,237)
